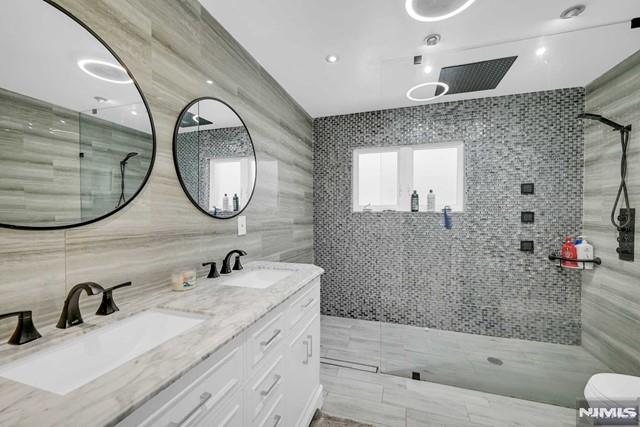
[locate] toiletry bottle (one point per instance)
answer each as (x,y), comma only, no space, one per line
(236,202)
(415,202)
(584,250)
(446,217)
(431,201)
(569,251)
(225,202)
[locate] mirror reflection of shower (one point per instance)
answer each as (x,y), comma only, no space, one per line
(123,168)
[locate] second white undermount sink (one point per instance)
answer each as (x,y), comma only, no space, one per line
(260,278)
(65,367)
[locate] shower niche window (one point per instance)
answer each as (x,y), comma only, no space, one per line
(384,178)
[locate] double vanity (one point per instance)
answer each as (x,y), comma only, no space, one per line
(238,350)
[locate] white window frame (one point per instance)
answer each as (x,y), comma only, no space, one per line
(405,175)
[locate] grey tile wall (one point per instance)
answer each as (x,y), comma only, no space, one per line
(611,292)
(406,268)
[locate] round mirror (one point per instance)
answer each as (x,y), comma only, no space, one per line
(76,137)
(214,157)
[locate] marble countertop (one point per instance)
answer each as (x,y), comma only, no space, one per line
(111,397)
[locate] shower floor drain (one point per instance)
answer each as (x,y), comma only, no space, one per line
(494,361)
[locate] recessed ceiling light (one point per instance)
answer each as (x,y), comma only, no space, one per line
(100,99)
(541,51)
(421,85)
(573,11)
(428,69)
(419,14)
(209,82)
(134,112)
(331,59)
(106,71)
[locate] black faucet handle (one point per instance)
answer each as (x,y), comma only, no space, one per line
(25,329)
(213,272)
(108,305)
(237,265)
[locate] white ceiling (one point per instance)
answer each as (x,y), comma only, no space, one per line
(40,48)
(376,41)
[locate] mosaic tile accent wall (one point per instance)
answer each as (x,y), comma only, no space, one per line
(407,268)
(195,149)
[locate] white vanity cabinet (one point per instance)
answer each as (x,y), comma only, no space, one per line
(269,376)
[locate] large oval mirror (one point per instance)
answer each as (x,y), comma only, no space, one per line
(214,157)
(76,138)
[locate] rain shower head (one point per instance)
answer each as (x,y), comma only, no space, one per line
(604,120)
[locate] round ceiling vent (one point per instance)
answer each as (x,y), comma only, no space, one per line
(105,71)
(435,10)
(573,11)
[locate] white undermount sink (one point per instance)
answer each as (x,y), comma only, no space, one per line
(260,278)
(65,367)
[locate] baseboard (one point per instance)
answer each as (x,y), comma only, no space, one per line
(314,403)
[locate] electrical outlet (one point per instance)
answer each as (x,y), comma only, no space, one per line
(242,225)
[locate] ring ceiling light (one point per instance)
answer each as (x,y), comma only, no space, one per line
(411,10)
(105,71)
(421,85)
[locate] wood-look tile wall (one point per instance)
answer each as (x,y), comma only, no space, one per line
(172,47)
(611,293)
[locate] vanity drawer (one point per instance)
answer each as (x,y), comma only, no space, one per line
(185,405)
(228,415)
(263,340)
(263,389)
(304,306)
(275,416)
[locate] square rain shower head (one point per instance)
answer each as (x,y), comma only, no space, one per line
(484,75)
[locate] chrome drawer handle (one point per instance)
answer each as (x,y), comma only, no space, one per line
(267,392)
(278,418)
(204,398)
(270,340)
(306,361)
(311,300)
(310,345)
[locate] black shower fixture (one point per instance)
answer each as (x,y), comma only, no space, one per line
(123,167)
(622,189)
(604,120)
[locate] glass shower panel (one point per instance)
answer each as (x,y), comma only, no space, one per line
(543,372)
(115,153)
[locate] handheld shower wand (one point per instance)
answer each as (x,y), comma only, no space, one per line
(123,166)
(625,132)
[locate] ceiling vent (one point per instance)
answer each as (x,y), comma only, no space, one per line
(417,60)
(484,75)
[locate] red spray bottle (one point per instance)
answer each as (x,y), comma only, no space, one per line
(569,251)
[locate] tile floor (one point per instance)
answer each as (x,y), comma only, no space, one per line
(392,401)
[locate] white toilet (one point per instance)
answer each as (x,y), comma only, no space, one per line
(611,388)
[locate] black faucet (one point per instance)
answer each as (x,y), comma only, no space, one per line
(226,269)
(213,271)
(108,305)
(70,315)
(25,330)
